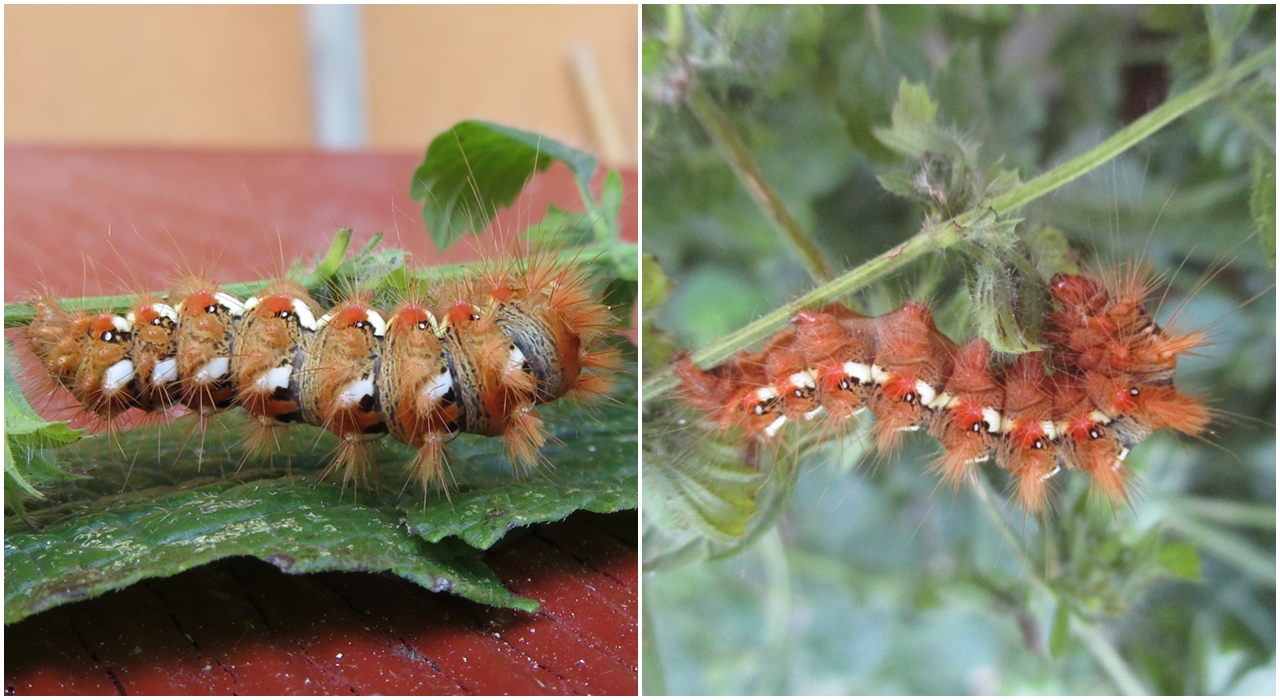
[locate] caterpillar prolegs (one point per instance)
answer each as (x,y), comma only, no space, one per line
(472,355)
(1103,383)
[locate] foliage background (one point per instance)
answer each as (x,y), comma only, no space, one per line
(874,581)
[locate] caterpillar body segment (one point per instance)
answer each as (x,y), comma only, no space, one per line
(154,353)
(1104,384)
(338,383)
(205,331)
(89,354)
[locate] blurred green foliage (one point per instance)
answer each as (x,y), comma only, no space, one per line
(860,575)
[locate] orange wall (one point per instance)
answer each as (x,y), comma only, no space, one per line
(237,76)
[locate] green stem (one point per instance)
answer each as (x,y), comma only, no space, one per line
(942,236)
(1133,134)
(722,130)
(598,222)
(21,314)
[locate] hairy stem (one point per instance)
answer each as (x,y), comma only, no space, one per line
(725,134)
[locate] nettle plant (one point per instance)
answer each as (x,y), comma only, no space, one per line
(838,218)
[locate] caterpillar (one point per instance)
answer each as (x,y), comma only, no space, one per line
(1102,384)
(473,355)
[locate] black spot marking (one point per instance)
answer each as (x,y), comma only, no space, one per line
(366,404)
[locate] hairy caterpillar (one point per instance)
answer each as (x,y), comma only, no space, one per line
(471,355)
(1103,384)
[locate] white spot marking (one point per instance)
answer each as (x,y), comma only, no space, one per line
(165,371)
(438,387)
(117,376)
(1100,418)
(214,369)
(766,393)
(775,426)
(230,303)
(251,303)
(274,378)
(1124,452)
(816,413)
(994,420)
(803,380)
(1049,429)
(858,371)
(379,325)
(122,324)
(515,358)
(165,310)
(1048,476)
(879,375)
(355,392)
(928,396)
(305,318)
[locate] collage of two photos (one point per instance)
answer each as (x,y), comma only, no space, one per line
(639,350)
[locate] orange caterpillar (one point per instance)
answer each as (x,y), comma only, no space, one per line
(473,356)
(1104,384)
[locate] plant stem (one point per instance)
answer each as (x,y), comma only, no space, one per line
(722,130)
(941,236)
(1133,134)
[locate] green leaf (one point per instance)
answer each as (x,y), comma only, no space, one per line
(1060,633)
(695,482)
(477,167)
(652,51)
(656,286)
(561,228)
(153,509)
(611,197)
(1181,560)
(1262,204)
(912,132)
(298,525)
(28,459)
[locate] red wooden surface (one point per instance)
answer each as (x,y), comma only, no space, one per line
(95,221)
